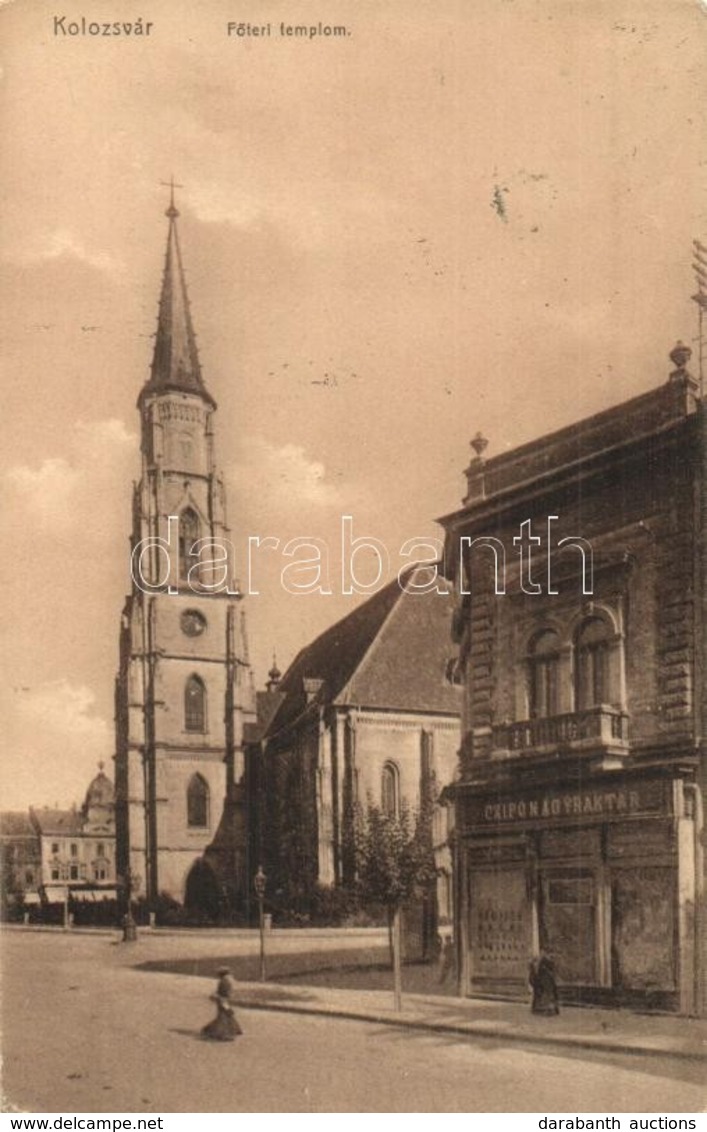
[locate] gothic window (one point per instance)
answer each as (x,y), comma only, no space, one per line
(544,662)
(594,645)
(390,790)
(197,802)
(188,536)
(185,447)
(194,705)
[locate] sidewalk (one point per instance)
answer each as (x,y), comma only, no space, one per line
(589,1028)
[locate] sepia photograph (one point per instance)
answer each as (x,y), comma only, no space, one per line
(354,490)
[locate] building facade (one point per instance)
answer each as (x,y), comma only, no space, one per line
(183,691)
(21,858)
(579,566)
(366,712)
(53,856)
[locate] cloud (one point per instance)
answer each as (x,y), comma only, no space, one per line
(62,242)
(45,494)
(93,436)
(59,495)
(216,203)
(62,707)
(283,477)
(52,728)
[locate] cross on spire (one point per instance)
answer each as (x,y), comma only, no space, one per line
(172,212)
(175,361)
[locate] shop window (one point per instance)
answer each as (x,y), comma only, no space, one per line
(594,646)
(188,536)
(197,802)
(544,663)
(390,790)
(194,704)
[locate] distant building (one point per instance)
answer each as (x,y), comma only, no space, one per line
(77,847)
(51,856)
(369,710)
(21,862)
(580,566)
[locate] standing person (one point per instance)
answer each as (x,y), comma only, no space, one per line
(224,1027)
(543,985)
(448,959)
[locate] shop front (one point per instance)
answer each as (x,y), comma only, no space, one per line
(602,878)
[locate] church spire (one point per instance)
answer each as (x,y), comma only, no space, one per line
(175,363)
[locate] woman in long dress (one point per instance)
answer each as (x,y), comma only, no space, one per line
(543,984)
(224,1027)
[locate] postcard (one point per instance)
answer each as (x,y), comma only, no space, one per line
(354,498)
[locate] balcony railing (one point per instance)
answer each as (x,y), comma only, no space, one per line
(598,727)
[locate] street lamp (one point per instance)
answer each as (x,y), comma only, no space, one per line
(259,882)
(130,881)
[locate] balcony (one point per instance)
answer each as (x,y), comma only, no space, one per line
(601,730)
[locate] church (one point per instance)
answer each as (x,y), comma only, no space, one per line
(184,687)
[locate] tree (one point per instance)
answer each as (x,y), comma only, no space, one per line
(394,863)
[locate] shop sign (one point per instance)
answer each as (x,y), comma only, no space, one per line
(600,803)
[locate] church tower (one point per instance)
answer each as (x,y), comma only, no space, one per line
(184,686)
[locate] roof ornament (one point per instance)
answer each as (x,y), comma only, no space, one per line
(479,444)
(475,473)
(172,212)
(679,356)
(274,675)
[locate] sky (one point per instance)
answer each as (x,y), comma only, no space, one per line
(458,217)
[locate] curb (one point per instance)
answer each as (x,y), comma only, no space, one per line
(470,1029)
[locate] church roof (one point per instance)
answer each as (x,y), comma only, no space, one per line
(391,653)
(266,705)
(175,363)
(100,791)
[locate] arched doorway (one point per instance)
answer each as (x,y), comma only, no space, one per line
(202,893)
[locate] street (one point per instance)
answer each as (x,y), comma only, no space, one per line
(84,1031)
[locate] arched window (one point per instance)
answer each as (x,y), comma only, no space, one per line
(544,674)
(594,644)
(188,535)
(197,801)
(194,705)
(390,790)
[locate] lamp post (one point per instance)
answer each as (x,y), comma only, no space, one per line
(130,881)
(259,882)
